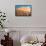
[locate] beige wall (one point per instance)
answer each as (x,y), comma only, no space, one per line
(38,18)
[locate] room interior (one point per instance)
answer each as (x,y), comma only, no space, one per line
(23,30)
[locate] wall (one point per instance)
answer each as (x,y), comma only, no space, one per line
(38,18)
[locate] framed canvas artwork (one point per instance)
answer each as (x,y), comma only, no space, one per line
(23,10)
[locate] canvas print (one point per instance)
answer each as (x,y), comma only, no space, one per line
(23,10)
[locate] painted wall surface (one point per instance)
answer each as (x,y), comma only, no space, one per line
(38,18)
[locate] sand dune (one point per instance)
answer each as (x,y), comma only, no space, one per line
(24,9)
(23,12)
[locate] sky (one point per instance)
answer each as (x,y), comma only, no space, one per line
(24,6)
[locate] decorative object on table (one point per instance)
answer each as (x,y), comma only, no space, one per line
(2,18)
(29,39)
(8,40)
(23,10)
